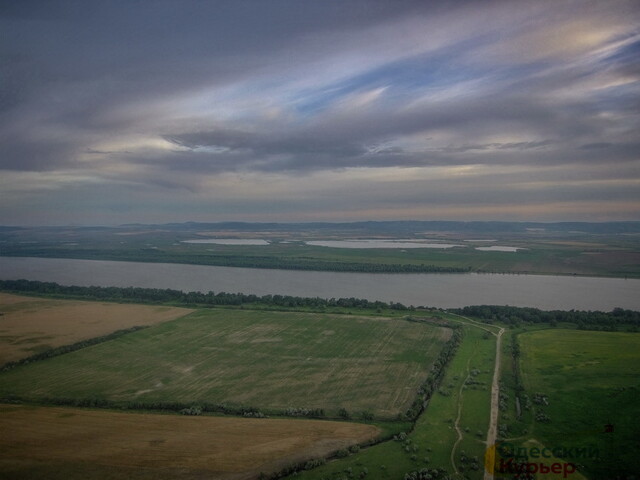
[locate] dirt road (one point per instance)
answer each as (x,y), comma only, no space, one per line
(495,398)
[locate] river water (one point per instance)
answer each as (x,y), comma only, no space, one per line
(442,290)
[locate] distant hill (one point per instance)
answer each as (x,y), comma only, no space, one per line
(410,226)
(372,227)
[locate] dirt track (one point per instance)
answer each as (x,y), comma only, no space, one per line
(495,399)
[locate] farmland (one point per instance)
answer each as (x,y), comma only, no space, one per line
(352,363)
(67,443)
(268,360)
(450,434)
(31,325)
(565,249)
(575,383)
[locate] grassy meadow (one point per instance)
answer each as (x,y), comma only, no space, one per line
(542,252)
(589,380)
(267,360)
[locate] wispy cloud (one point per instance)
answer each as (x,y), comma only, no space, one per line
(168,105)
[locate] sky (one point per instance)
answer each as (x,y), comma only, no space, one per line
(158,111)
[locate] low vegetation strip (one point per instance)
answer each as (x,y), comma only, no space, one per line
(268,362)
(51,442)
(32,326)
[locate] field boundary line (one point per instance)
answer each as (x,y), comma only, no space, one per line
(72,347)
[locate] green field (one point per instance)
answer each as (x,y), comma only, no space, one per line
(590,379)
(434,436)
(571,383)
(267,360)
(467,386)
(596,252)
(272,360)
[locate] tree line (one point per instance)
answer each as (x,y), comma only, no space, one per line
(178,297)
(316,265)
(432,383)
(184,408)
(617,319)
(230,260)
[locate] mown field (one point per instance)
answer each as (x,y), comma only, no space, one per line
(30,325)
(589,380)
(462,401)
(267,360)
(70,444)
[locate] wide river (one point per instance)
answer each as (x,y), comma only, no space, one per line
(443,290)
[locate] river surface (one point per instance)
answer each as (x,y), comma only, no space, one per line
(442,290)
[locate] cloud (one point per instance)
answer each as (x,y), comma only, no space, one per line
(165,96)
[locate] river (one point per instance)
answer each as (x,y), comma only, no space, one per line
(442,290)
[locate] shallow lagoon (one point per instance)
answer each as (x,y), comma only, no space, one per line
(376,243)
(228,241)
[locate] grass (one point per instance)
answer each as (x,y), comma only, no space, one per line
(582,254)
(268,360)
(31,325)
(430,443)
(591,379)
(67,443)
(510,376)
(437,427)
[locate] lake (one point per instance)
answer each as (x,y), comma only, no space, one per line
(442,290)
(228,241)
(499,248)
(373,243)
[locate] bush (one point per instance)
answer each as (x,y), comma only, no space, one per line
(343,413)
(191,411)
